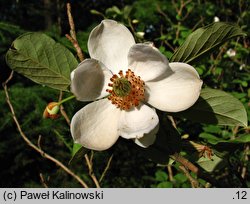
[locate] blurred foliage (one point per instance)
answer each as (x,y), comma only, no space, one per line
(166,23)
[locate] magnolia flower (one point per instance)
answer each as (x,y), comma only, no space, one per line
(126,80)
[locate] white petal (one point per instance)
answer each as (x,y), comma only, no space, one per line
(109,42)
(137,121)
(95,125)
(177,91)
(147,62)
(147,139)
(89,80)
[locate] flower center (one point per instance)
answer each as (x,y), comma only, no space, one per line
(121,87)
(127,90)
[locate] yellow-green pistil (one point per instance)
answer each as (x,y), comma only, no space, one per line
(121,87)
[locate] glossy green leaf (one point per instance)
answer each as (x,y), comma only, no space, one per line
(215,140)
(216,107)
(39,58)
(204,40)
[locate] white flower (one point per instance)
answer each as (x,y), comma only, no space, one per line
(216,19)
(231,52)
(128,79)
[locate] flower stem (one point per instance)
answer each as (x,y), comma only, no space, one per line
(66,99)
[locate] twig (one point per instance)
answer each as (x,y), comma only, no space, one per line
(218,57)
(106,168)
(193,181)
(171,118)
(91,172)
(91,156)
(72,36)
(7,80)
(165,41)
(43,181)
(235,132)
(198,23)
(71,22)
(39,142)
(131,26)
(188,165)
(159,10)
(88,161)
(64,114)
(244,168)
(170,173)
(36,148)
(177,157)
(180,12)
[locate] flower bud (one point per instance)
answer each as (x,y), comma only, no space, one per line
(135,21)
(216,19)
(51,110)
(231,52)
(140,34)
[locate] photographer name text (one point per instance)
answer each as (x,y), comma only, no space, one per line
(60,195)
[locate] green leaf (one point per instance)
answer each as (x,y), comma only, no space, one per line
(165,184)
(245,138)
(216,107)
(76,148)
(205,40)
(212,129)
(210,138)
(211,164)
(161,176)
(77,152)
(180,178)
(95,12)
(41,59)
